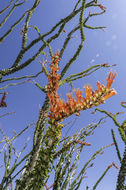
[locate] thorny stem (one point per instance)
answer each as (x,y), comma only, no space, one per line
(10,12)
(121,181)
(26,176)
(116,146)
(6,7)
(99,180)
(121,185)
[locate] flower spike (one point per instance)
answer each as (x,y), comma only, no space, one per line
(59,109)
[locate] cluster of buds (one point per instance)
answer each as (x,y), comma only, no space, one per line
(59,109)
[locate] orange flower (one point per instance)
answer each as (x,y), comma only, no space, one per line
(98,86)
(71,103)
(110,79)
(78,96)
(88,91)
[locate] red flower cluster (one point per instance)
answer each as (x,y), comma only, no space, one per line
(60,109)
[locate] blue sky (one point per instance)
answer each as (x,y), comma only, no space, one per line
(100,47)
